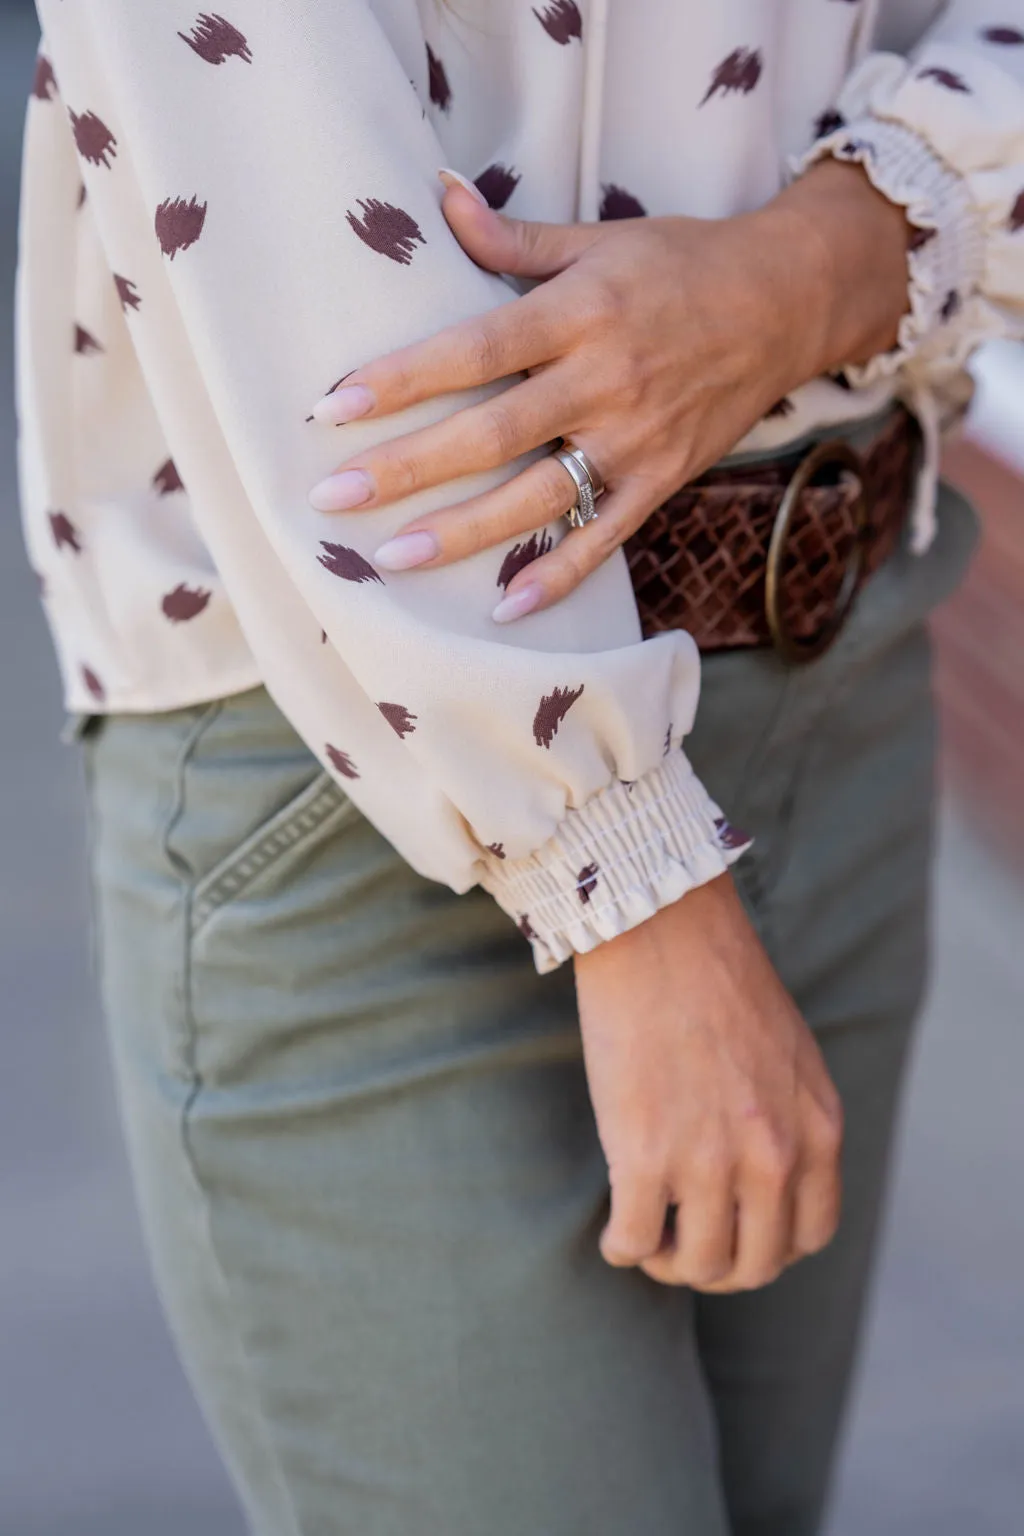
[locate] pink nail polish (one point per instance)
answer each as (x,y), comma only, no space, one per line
(338,493)
(345,404)
(518,603)
(407,550)
(456,179)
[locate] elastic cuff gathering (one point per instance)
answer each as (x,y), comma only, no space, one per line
(631,850)
(945,259)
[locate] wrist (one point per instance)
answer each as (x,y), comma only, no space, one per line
(709,915)
(849,280)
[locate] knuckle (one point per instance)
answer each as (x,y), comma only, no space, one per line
(630,379)
(815,1238)
(712,1165)
(605,537)
(482,353)
(556,492)
(642,1171)
(825,1135)
(772,1160)
(472,534)
(392,385)
(399,474)
(620,1253)
(499,434)
(627,1241)
(568,567)
(602,305)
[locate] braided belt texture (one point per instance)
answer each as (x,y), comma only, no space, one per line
(699,561)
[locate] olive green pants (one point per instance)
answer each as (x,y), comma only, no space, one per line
(363,1147)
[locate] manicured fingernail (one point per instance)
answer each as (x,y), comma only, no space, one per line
(340,492)
(345,404)
(456,179)
(524,600)
(406,550)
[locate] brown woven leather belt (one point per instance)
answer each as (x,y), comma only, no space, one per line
(774,553)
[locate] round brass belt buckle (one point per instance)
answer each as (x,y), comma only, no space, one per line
(833,452)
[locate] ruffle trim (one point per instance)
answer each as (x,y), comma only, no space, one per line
(631,850)
(945,264)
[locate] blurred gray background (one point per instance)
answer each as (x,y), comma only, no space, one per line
(98,1433)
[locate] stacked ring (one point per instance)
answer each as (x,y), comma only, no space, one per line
(588,482)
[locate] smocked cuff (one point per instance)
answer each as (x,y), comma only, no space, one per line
(631,850)
(945,258)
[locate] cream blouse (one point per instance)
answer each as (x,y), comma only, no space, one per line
(225,213)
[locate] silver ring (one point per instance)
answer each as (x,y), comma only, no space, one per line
(588,482)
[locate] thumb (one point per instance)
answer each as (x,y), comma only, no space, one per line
(510,245)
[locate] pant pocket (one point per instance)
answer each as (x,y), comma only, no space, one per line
(276,848)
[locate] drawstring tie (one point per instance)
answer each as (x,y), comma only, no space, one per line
(922,403)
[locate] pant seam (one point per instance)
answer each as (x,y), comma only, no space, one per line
(190,1065)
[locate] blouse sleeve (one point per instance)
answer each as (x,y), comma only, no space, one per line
(269,187)
(942,133)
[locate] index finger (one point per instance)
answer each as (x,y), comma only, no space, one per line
(510,339)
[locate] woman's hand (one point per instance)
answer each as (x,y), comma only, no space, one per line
(719,1122)
(654,344)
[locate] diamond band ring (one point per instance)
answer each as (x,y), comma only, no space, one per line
(588,481)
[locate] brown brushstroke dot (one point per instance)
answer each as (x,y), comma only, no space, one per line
(667,748)
(947,78)
(920,237)
(167,480)
(65,534)
(497,183)
(950,305)
(93,139)
(44,81)
(386,229)
(333,387)
(854,147)
(437,76)
(342,762)
(525,927)
(586,883)
(561,20)
(323,637)
(498,849)
(551,711)
(783,407)
(1009,36)
(347,563)
(399,719)
(1016,219)
(215,40)
(730,837)
(739,71)
(82,195)
(179,224)
(127,293)
(85,342)
(185,603)
(617,203)
(828,122)
(522,555)
(93,683)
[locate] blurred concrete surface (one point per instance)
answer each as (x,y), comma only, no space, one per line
(98,1433)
